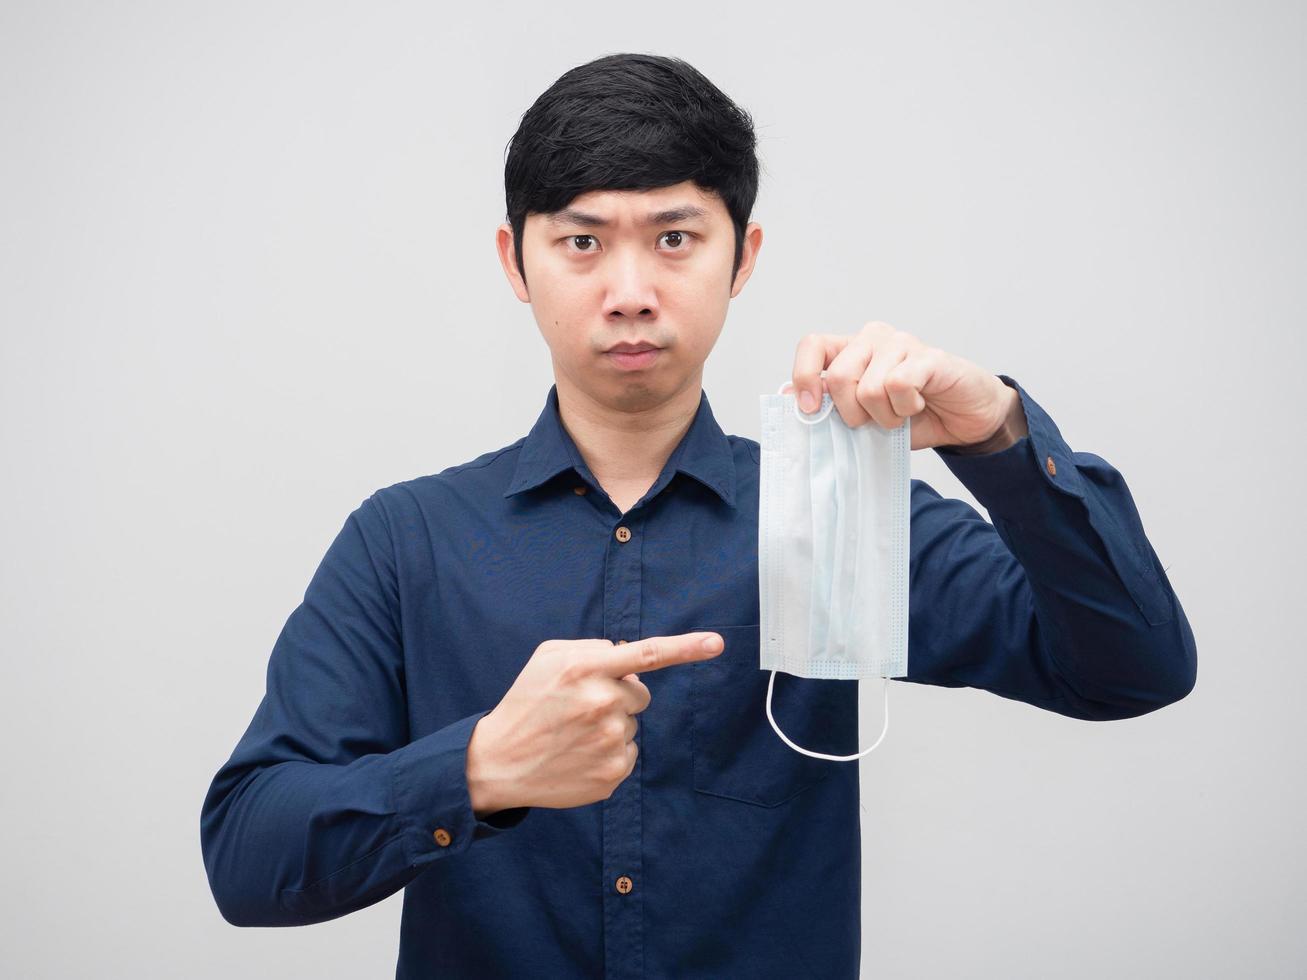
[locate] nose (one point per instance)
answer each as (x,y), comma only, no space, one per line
(632,289)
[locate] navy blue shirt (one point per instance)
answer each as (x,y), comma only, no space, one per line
(725,853)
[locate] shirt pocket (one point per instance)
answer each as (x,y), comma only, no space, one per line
(734,750)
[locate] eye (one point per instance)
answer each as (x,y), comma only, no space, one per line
(588,239)
(680,237)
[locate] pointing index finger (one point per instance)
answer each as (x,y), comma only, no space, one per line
(656,652)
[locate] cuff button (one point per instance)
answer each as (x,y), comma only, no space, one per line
(442,837)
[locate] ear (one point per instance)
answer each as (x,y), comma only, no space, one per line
(508,259)
(748,256)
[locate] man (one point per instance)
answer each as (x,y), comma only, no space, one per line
(496,692)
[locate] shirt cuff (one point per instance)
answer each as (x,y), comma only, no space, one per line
(1003,480)
(432,803)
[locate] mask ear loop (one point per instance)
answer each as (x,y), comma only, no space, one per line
(822,755)
(771,683)
(817,416)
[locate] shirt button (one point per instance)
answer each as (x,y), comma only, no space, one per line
(1050,466)
(624,884)
(578,490)
(623,534)
(620,642)
(442,837)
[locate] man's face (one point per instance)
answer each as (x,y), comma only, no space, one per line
(637,267)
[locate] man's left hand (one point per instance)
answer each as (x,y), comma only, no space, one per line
(885,375)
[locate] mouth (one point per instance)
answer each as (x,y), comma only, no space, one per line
(631,347)
(633,357)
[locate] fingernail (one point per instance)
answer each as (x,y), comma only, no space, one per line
(710,643)
(807,401)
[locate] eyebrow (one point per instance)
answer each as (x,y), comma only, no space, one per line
(571,216)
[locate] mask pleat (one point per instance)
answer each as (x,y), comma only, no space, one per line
(825,504)
(857,458)
(843,531)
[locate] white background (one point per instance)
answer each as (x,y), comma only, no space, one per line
(247,277)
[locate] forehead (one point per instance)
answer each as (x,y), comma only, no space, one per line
(685,202)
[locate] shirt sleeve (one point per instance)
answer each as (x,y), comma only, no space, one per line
(326,806)
(1061,602)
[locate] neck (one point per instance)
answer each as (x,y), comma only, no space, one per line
(626,448)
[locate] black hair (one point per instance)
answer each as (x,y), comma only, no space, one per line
(630,122)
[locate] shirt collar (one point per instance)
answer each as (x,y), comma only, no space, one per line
(704,453)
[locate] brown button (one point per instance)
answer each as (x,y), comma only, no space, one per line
(624,884)
(623,534)
(442,837)
(1050,466)
(620,642)
(578,490)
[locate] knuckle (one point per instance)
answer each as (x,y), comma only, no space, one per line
(590,707)
(570,669)
(650,654)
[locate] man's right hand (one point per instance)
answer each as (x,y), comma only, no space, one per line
(562,735)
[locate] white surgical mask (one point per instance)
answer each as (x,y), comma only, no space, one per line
(833,520)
